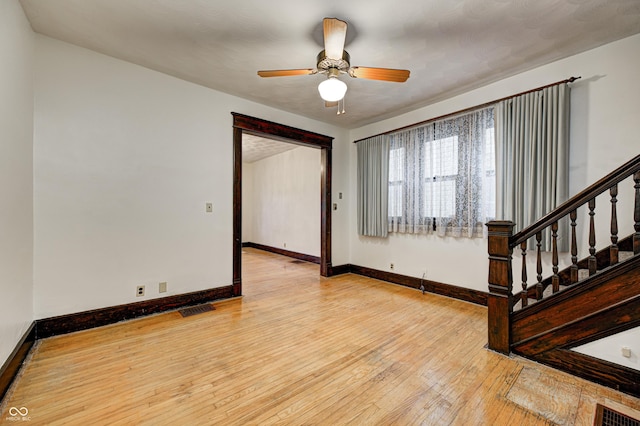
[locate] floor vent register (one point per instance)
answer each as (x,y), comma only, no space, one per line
(195,310)
(606,416)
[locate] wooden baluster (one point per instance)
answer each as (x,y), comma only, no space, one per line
(555,279)
(574,248)
(613,250)
(500,299)
(525,296)
(539,288)
(593,264)
(636,214)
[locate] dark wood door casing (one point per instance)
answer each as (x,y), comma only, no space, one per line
(256,126)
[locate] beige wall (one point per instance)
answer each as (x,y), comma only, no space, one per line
(16,176)
(285,201)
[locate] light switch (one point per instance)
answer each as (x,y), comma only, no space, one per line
(209,207)
(335,206)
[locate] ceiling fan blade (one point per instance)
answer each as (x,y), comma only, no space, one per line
(286,73)
(328,104)
(335,33)
(385,74)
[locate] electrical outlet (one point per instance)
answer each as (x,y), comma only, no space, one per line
(285,245)
(140,291)
(391,266)
(162,287)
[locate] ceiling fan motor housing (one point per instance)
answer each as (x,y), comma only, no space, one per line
(325,64)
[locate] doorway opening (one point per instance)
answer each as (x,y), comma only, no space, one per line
(280,199)
(243,124)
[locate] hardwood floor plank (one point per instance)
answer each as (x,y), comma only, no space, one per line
(296,349)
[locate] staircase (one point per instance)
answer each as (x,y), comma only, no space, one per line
(592,298)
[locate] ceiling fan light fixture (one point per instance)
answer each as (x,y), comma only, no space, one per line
(332,89)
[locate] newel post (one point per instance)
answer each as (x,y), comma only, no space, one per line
(500,297)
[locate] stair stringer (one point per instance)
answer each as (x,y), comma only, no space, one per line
(604,304)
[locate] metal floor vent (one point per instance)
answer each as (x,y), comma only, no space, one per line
(195,310)
(606,416)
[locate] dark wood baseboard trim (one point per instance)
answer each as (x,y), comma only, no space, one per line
(12,365)
(461,293)
(339,270)
(283,252)
(98,317)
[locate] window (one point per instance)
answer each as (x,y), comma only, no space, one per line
(442,176)
(441,171)
(396,177)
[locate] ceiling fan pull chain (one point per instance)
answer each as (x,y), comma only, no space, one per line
(340,109)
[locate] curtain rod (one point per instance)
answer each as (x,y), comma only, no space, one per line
(484,105)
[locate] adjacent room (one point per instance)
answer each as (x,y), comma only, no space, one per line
(357,212)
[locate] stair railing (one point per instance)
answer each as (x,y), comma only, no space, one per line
(502,242)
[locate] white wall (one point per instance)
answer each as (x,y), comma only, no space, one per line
(610,348)
(286,201)
(16,176)
(247,202)
(125,159)
(604,134)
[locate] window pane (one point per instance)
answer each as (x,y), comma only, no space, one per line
(489,190)
(396,164)
(396,176)
(490,150)
(489,184)
(395,200)
(439,198)
(445,153)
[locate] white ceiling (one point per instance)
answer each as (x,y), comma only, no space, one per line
(256,148)
(450,46)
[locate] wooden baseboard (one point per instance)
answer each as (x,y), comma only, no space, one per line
(288,253)
(461,293)
(98,317)
(12,365)
(339,270)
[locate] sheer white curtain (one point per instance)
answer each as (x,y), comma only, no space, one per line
(373,185)
(407,195)
(442,176)
(532,143)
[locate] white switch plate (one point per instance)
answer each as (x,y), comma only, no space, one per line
(209,207)
(626,352)
(162,287)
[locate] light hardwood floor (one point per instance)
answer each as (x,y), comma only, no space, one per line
(299,349)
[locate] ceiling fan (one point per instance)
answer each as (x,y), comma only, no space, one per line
(334,61)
